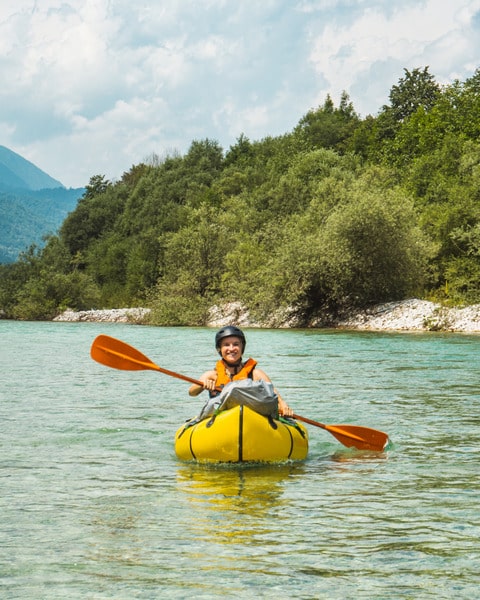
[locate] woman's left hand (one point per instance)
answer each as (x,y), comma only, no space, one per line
(284,409)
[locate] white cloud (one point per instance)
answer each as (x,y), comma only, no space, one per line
(430,33)
(94,86)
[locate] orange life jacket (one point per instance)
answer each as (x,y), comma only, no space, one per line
(224,377)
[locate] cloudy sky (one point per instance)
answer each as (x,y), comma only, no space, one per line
(93,87)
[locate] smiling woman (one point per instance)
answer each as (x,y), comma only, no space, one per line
(230,344)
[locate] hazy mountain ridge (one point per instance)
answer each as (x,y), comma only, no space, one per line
(32,204)
(18,173)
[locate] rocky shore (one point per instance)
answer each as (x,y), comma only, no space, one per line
(112,315)
(406,315)
(415,315)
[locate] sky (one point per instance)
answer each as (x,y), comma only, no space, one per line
(93,87)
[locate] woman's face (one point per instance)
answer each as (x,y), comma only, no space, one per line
(231,349)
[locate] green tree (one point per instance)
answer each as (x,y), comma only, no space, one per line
(94,216)
(240,153)
(328,126)
(96,186)
(51,285)
(193,265)
(365,248)
(13,276)
(417,90)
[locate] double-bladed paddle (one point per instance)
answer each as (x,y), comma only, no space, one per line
(119,355)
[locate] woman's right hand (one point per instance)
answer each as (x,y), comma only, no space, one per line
(209,384)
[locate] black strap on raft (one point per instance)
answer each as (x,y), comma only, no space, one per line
(188,424)
(212,420)
(292,423)
(271,420)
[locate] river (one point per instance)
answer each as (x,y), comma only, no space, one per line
(94,504)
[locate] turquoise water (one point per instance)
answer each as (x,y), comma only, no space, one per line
(94,503)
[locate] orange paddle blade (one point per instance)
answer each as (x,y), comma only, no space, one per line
(353,436)
(119,355)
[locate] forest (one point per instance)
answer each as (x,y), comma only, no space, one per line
(340,213)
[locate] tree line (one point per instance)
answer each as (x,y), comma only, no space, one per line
(340,213)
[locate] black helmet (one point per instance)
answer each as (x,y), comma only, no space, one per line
(227,332)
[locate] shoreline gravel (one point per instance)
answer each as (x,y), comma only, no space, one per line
(405,315)
(111,315)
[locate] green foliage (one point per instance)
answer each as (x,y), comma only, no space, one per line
(377,252)
(357,243)
(175,305)
(328,126)
(411,102)
(295,188)
(241,153)
(417,90)
(197,251)
(13,277)
(50,292)
(41,284)
(462,273)
(339,213)
(95,214)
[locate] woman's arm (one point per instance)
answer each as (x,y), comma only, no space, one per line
(208,380)
(283,407)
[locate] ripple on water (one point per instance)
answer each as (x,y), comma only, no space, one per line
(95,504)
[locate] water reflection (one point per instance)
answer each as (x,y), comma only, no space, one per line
(235,503)
(235,488)
(351,455)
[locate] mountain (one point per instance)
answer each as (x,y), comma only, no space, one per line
(18,173)
(32,204)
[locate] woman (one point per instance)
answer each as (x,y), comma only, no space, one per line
(230,344)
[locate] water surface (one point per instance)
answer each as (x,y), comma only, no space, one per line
(94,503)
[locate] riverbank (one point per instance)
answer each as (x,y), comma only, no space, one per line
(415,315)
(112,315)
(405,315)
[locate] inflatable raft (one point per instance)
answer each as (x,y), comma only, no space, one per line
(240,434)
